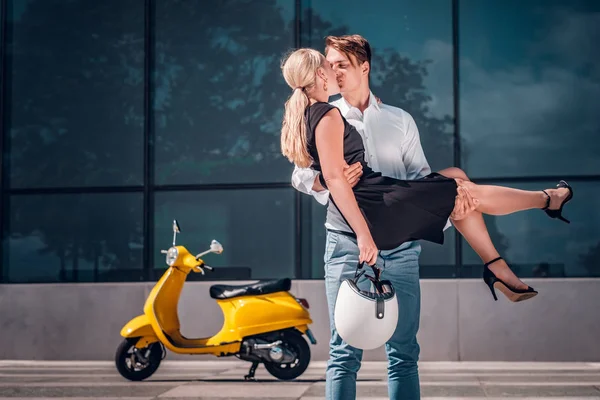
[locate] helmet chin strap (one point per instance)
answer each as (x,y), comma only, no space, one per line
(375,280)
(380,304)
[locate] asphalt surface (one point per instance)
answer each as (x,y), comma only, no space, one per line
(225,380)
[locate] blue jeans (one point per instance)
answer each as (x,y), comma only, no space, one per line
(401,267)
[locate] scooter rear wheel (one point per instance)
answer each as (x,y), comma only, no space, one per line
(127,366)
(288,371)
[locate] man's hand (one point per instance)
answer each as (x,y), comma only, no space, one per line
(464,204)
(317,187)
(353,173)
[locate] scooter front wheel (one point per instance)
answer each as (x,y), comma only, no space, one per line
(288,371)
(137,364)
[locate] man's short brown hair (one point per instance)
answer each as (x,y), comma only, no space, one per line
(355,45)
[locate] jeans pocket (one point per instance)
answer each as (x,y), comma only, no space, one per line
(330,246)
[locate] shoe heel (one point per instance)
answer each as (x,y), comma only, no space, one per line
(491,286)
(513,295)
(489,278)
(558,213)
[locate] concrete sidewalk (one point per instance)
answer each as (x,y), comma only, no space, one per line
(224,380)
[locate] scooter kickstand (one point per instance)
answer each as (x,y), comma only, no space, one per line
(250,376)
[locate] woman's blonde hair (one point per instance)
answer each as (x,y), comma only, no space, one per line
(300,73)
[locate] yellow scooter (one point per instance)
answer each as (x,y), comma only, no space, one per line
(263,323)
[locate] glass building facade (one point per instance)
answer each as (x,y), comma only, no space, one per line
(118,116)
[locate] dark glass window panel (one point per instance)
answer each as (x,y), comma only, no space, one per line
(75,238)
(255,227)
(219,92)
(75,104)
(529,84)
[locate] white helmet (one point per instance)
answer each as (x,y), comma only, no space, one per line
(366,320)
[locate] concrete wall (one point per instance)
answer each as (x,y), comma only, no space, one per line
(459,320)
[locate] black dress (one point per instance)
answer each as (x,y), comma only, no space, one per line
(396,210)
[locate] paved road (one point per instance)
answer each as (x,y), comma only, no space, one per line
(219,380)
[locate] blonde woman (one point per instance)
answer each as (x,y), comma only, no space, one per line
(385,212)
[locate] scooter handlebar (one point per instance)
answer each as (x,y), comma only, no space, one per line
(201,267)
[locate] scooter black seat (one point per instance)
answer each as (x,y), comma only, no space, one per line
(260,287)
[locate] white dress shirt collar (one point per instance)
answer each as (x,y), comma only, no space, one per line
(346,107)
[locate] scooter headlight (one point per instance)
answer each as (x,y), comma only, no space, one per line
(172,255)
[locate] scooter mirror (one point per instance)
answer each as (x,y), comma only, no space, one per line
(176,228)
(216,247)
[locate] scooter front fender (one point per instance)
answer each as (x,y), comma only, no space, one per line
(138,327)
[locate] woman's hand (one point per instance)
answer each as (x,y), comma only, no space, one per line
(367,248)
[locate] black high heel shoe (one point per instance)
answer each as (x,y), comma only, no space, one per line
(493,282)
(558,213)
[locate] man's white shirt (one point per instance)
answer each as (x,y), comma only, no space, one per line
(392,147)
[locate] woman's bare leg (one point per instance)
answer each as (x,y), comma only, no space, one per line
(473,229)
(500,200)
